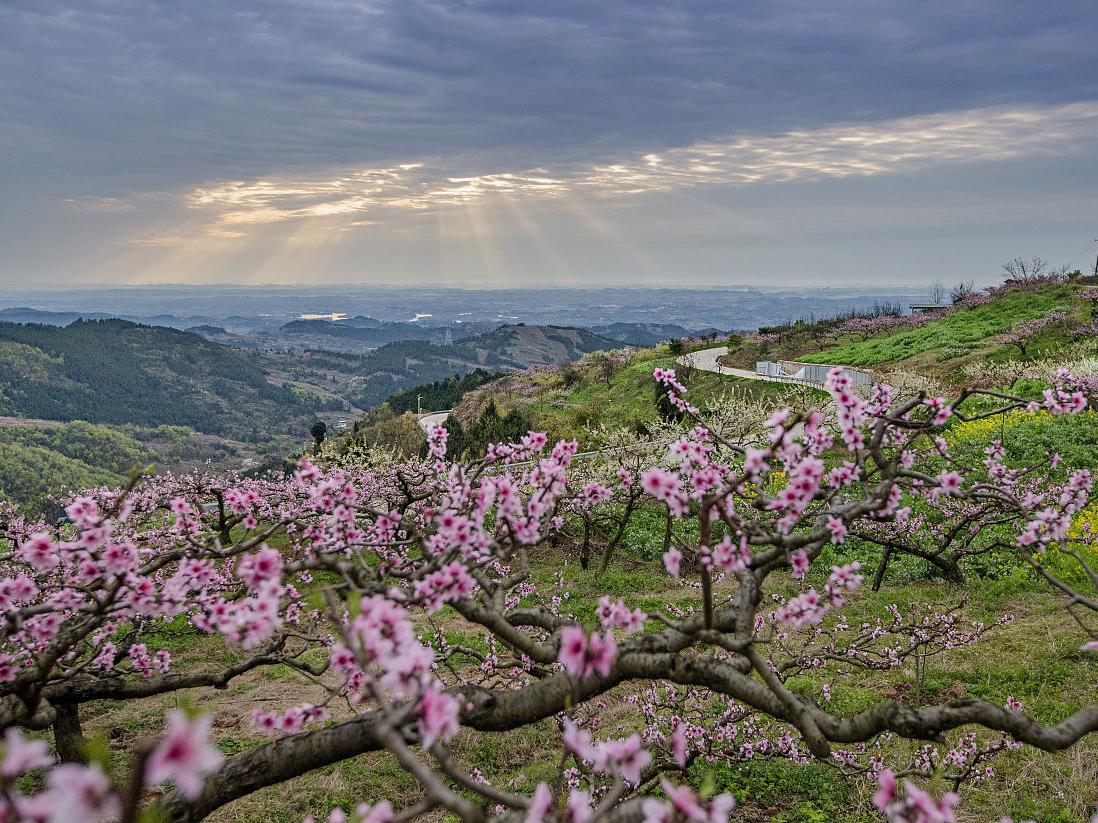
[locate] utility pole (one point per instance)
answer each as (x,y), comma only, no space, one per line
(419,406)
(1096,260)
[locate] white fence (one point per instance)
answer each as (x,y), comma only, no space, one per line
(812,374)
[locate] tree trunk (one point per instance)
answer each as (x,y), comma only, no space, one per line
(68,735)
(881,568)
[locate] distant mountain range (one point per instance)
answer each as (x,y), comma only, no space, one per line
(648,334)
(24,314)
(251,310)
(376,333)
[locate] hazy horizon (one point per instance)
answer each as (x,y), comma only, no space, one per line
(911,288)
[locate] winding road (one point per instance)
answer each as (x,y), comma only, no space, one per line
(708,360)
(428,421)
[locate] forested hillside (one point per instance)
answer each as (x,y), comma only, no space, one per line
(39,460)
(368,380)
(441,394)
(175,399)
(646,334)
(117,372)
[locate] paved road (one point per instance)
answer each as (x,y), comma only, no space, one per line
(428,421)
(706,360)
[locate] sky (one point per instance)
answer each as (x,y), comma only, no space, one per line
(509,143)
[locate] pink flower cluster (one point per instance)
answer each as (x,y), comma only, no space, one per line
(914,805)
(853,412)
(582,655)
(626,757)
(616,615)
(384,654)
(675,390)
(74,791)
(436,442)
(289,721)
(683,803)
(810,607)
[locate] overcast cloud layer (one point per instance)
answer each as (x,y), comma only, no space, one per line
(510,143)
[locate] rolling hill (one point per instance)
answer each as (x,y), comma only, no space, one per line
(647,334)
(368,380)
(118,372)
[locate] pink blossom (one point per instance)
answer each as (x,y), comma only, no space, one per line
(579,806)
(40,551)
(915,805)
(573,649)
(949,482)
(436,442)
(602,650)
(77,792)
(184,755)
(617,615)
(581,656)
(22,755)
(799,561)
(886,790)
(837,529)
(438,716)
(540,804)
(266,564)
(672,561)
(678,744)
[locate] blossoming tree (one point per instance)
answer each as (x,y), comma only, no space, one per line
(349,565)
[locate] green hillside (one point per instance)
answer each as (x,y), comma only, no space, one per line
(38,460)
(617,389)
(117,372)
(958,330)
(574,400)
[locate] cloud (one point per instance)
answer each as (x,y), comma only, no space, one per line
(894,146)
(117,96)
(105,205)
(159,241)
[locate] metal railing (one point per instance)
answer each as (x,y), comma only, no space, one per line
(810,374)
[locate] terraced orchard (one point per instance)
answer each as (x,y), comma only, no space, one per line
(739,600)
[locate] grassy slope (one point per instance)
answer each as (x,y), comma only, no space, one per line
(565,410)
(960,329)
